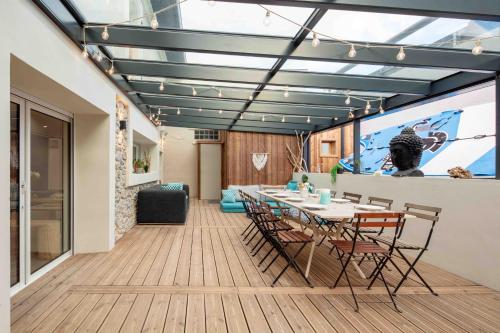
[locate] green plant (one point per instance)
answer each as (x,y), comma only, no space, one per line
(305,178)
(334,171)
(138,164)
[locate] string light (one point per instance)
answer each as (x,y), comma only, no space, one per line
(263,118)
(315,41)
(267,18)
(220,111)
(241,116)
(380,108)
(286,93)
(250,98)
(283,119)
(478,48)
(200,109)
(308,119)
(98,56)
(154,22)
(220,93)
(352,52)
(367,108)
(159,112)
(111,69)
(335,118)
(85,53)
(401,54)
(348,100)
(161,87)
(351,115)
(105,34)
(178,111)
(194,92)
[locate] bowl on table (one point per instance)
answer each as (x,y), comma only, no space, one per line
(341,200)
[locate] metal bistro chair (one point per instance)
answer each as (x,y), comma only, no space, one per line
(386,203)
(351,249)
(245,201)
(353,197)
(280,240)
(253,211)
(426,213)
(266,230)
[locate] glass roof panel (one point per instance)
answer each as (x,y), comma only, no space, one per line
(329,91)
(192,57)
(372,70)
(197,15)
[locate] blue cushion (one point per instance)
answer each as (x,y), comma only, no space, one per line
(292,185)
(232,207)
(228,196)
(172,187)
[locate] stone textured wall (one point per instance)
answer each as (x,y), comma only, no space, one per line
(125,197)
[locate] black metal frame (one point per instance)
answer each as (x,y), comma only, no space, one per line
(473,69)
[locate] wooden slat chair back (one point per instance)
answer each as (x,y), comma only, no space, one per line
(386,203)
(358,247)
(422,213)
(354,197)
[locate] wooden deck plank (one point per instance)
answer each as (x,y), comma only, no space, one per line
(155,320)
(201,277)
(214,314)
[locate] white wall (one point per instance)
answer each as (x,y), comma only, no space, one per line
(180,158)
(45,63)
(465,241)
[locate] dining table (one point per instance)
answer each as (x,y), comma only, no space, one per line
(324,221)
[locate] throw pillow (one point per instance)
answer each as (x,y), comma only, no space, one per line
(172,186)
(228,196)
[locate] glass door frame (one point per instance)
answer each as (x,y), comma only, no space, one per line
(28,103)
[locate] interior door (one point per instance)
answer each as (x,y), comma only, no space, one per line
(210,162)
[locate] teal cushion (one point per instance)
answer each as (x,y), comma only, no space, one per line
(172,187)
(228,196)
(232,207)
(292,185)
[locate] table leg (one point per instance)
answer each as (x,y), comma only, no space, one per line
(309,261)
(338,235)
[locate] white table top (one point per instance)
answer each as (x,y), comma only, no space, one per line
(332,211)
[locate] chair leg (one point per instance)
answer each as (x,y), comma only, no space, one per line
(247,228)
(250,231)
(291,262)
(260,247)
(412,268)
(255,234)
(344,266)
(280,251)
(267,255)
(344,271)
(384,262)
(257,244)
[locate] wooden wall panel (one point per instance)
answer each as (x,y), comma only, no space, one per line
(238,168)
(325,163)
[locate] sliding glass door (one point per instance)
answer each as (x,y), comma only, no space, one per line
(40,189)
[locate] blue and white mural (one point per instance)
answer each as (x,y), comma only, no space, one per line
(457,136)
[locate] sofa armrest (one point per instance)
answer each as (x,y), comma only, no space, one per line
(159,206)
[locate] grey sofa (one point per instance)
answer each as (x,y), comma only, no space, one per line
(158,206)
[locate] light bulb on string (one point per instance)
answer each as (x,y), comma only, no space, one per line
(111,69)
(98,56)
(250,98)
(335,118)
(401,54)
(283,119)
(241,116)
(267,18)
(368,107)
(220,93)
(286,93)
(200,109)
(195,92)
(380,108)
(308,119)
(351,115)
(154,22)
(159,112)
(315,41)
(348,100)
(263,118)
(161,87)
(85,53)
(178,111)
(220,111)
(352,52)
(105,34)
(478,48)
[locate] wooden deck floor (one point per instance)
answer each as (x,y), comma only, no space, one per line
(201,278)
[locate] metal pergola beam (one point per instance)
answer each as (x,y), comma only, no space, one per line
(264,46)
(242,94)
(487,10)
(281,78)
(235,105)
